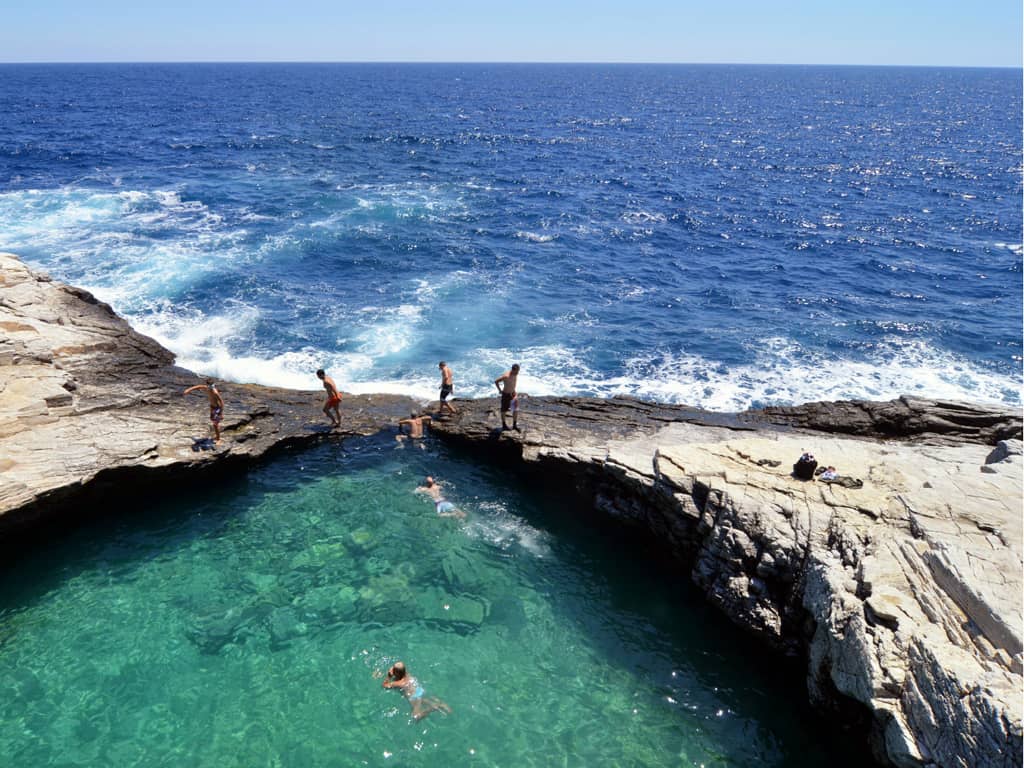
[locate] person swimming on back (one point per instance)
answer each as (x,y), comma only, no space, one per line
(422,705)
(442,506)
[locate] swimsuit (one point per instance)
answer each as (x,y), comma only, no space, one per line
(508,399)
(333,401)
(443,506)
(446,389)
(216,414)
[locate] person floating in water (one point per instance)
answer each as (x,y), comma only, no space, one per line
(331,410)
(216,404)
(506,384)
(446,389)
(415,424)
(443,507)
(422,705)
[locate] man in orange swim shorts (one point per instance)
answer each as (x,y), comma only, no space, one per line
(331,409)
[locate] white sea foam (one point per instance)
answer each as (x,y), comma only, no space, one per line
(784,373)
(533,237)
(494,523)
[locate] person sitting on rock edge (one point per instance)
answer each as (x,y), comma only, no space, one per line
(415,424)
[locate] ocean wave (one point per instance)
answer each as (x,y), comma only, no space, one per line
(533,237)
(384,358)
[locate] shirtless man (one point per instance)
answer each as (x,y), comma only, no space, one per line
(331,410)
(216,404)
(410,687)
(506,384)
(446,388)
(415,423)
(444,508)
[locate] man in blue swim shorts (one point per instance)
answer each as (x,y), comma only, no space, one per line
(443,507)
(422,705)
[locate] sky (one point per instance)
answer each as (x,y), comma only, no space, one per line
(889,32)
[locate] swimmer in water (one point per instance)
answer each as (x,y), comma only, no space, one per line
(443,507)
(422,705)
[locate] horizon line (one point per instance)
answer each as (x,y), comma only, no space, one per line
(523,62)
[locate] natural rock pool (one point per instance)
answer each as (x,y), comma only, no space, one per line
(242,625)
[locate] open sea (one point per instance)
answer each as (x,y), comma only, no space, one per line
(723,236)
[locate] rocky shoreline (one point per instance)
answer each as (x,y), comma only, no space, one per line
(902,595)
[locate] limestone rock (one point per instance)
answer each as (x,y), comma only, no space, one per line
(90,407)
(903,595)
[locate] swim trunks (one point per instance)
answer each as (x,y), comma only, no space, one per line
(418,693)
(216,414)
(444,507)
(333,401)
(446,389)
(508,400)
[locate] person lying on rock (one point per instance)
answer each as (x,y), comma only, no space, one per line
(216,404)
(422,705)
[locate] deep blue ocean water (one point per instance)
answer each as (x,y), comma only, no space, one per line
(725,236)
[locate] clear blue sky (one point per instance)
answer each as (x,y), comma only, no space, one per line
(915,32)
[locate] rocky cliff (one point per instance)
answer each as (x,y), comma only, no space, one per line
(91,411)
(900,585)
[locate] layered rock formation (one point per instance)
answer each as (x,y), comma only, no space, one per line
(91,411)
(903,594)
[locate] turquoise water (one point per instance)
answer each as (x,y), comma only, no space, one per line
(243,627)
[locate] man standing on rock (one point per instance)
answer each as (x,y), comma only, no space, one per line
(506,384)
(446,388)
(331,410)
(216,404)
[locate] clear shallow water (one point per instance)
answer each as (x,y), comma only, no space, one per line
(243,628)
(722,236)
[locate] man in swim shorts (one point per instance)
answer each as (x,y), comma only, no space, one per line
(422,705)
(506,384)
(216,404)
(415,424)
(442,506)
(331,410)
(446,388)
